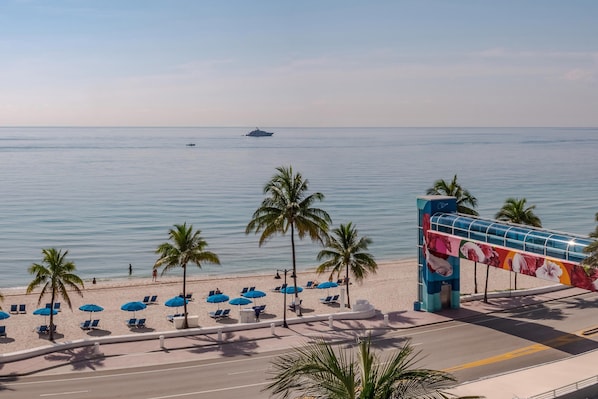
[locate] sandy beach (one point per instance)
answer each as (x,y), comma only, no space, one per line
(391,289)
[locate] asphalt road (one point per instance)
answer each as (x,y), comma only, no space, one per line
(470,349)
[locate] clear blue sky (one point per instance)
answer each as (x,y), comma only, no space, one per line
(298,63)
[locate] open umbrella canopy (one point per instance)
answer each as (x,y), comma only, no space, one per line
(327,284)
(217,298)
(254,294)
(90,307)
(133,306)
(176,302)
(44,311)
(4,315)
(240,301)
(290,289)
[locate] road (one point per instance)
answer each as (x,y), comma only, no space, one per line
(470,349)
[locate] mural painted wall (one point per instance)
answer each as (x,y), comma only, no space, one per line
(441,247)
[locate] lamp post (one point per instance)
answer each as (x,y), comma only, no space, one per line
(284,315)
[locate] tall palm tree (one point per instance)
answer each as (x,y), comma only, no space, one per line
(288,207)
(318,371)
(515,210)
(346,252)
(466,204)
(56,275)
(185,246)
(592,249)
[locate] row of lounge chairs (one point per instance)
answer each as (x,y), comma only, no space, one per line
(330,299)
(188,296)
(147,299)
(56,306)
(16,310)
(247,289)
(139,323)
(220,313)
(88,324)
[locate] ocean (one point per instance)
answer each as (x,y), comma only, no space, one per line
(110,195)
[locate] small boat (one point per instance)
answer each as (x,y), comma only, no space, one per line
(190,145)
(259,133)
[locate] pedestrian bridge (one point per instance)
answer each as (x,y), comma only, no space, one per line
(445,237)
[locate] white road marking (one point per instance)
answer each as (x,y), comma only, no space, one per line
(178,395)
(62,393)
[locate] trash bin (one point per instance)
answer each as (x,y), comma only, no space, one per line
(247,316)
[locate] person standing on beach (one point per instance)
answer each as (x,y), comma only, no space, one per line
(154,275)
(130,269)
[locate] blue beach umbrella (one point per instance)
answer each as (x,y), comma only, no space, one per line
(327,284)
(133,307)
(254,294)
(176,302)
(217,298)
(4,315)
(91,308)
(290,289)
(45,312)
(240,301)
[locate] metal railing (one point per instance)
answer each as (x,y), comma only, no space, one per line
(558,392)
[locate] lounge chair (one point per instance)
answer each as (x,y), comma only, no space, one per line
(48,306)
(131,322)
(225,313)
(334,299)
(94,324)
(154,299)
(310,284)
(22,308)
(262,308)
(251,288)
(189,296)
(244,290)
(57,306)
(13,309)
(3,331)
(86,325)
(276,289)
(146,299)
(140,323)
(212,292)
(42,329)
(216,314)
(327,299)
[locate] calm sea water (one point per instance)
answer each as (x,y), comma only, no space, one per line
(109,195)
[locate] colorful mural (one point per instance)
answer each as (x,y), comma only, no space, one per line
(441,246)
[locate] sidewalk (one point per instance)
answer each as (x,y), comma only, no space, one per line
(521,384)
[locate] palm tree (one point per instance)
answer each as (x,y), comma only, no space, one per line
(345,252)
(56,275)
(514,210)
(289,207)
(466,204)
(185,246)
(592,249)
(318,371)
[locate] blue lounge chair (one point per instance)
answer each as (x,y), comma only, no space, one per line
(244,290)
(225,313)
(216,314)
(42,329)
(146,299)
(334,299)
(22,309)
(326,300)
(310,284)
(3,331)
(131,322)
(154,299)
(212,292)
(48,306)
(13,309)
(189,296)
(140,323)
(251,288)
(276,289)
(95,323)
(86,325)
(57,306)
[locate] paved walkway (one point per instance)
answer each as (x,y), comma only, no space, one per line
(519,384)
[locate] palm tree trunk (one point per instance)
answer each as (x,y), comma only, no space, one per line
(486,285)
(475,277)
(347,284)
(297,305)
(52,315)
(185,323)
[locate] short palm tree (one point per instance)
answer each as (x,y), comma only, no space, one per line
(346,253)
(318,371)
(592,249)
(289,208)
(185,246)
(466,204)
(56,275)
(515,210)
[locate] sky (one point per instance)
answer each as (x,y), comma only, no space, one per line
(307,63)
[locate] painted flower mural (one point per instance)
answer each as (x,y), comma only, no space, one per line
(549,271)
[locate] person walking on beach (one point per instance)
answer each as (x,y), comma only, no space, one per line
(130,269)
(155,275)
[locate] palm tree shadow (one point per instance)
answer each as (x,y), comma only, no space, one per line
(99,332)
(7,379)
(230,346)
(80,358)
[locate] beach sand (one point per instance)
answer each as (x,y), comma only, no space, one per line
(393,288)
